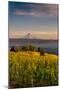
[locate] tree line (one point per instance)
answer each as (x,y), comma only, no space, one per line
(27,48)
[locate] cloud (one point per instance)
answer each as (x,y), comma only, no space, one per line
(37,10)
(18,12)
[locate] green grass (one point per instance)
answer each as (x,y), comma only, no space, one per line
(30,69)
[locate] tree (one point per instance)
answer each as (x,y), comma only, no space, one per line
(42,52)
(31,48)
(12,49)
(28,48)
(24,48)
(38,49)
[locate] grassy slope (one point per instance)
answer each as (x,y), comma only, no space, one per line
(31,69)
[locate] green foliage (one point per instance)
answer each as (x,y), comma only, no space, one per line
(38,49)
(42,52)
(14,49)
(24,48)
(28,48)
(31,48)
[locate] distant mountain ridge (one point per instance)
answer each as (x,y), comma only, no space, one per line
(28,36)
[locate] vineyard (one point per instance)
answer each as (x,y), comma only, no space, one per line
(30,69)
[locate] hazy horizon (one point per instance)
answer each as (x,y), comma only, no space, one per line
(33,36)
(40,20)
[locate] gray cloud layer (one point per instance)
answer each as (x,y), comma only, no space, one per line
(38,10)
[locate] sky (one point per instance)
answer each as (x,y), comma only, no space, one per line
(38,19)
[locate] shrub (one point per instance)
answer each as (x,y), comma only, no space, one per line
(28,48)
(14,49)
(24,48)
(31,48)
(42,52)
(38,49)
